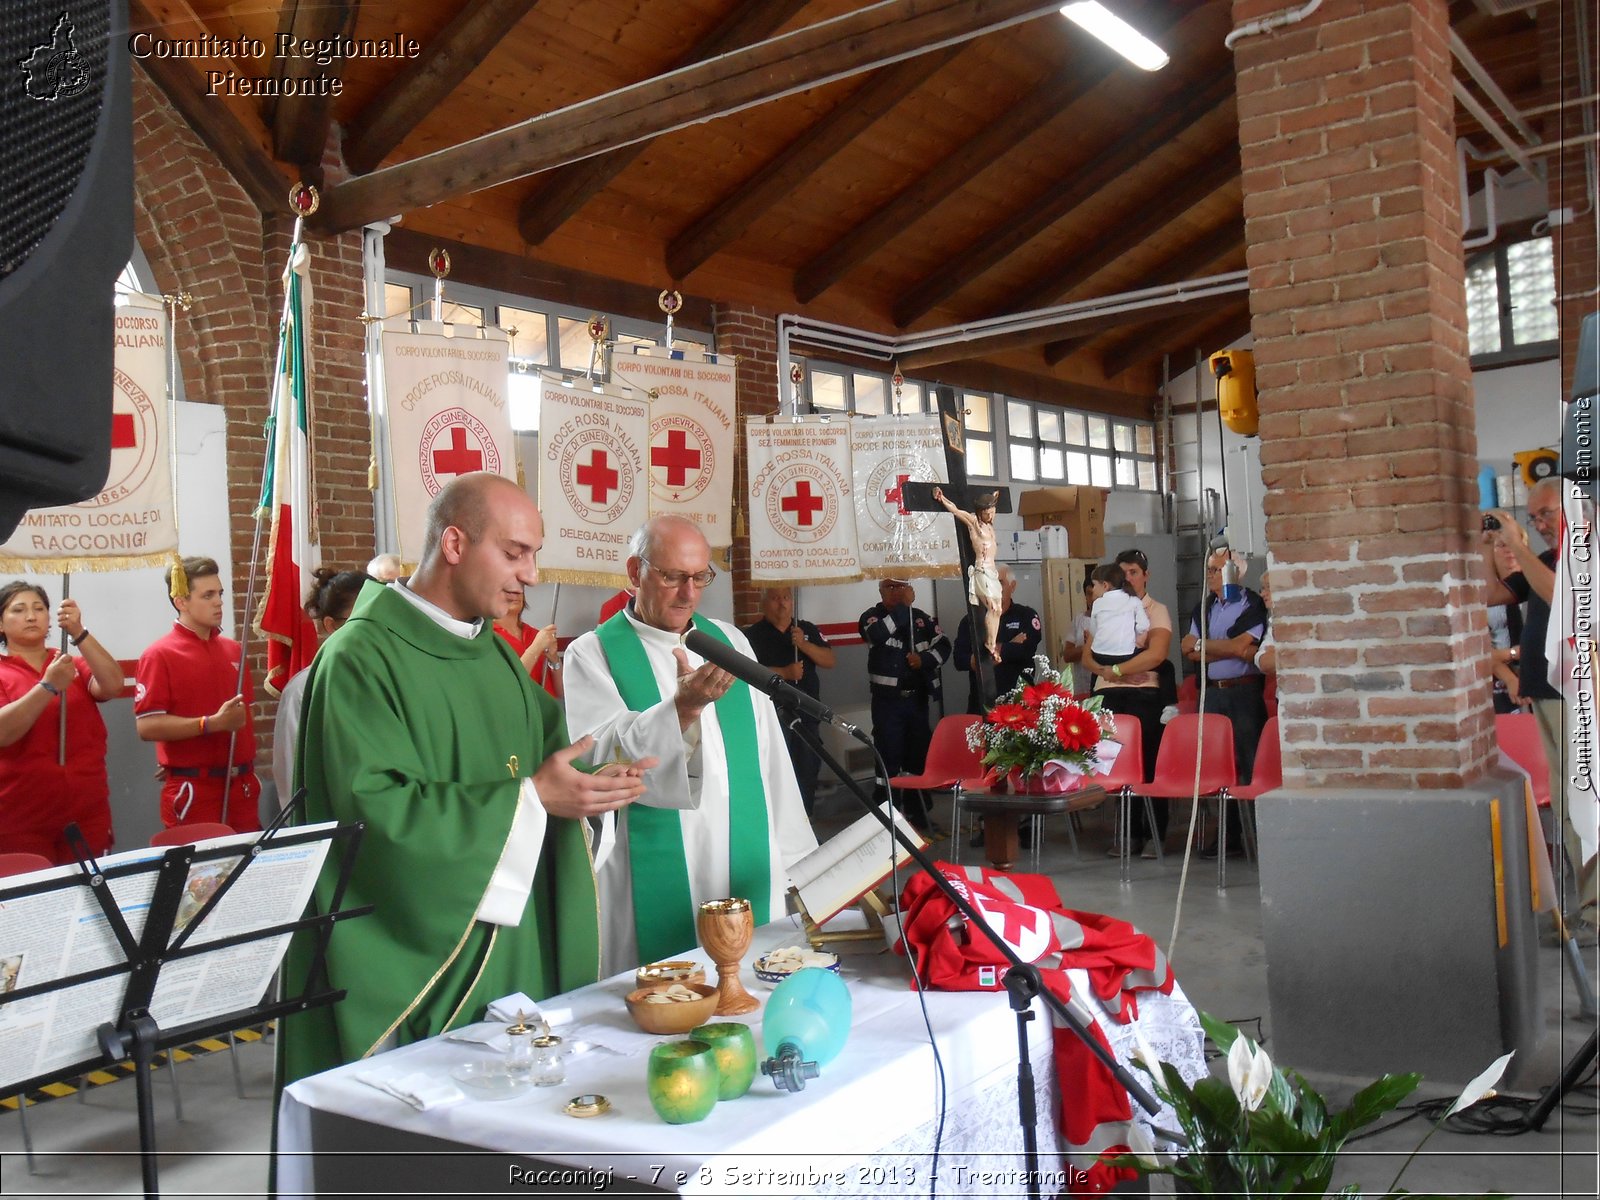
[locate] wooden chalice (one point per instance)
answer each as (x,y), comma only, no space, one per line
(725,928)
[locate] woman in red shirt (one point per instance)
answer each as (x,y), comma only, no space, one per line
(536,648)
(39,795)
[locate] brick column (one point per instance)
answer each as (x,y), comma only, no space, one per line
(1368,453)
(751,336)
(1368,449)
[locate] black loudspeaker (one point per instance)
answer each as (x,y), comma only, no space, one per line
(66,232)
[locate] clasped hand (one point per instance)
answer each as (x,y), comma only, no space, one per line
(565,791)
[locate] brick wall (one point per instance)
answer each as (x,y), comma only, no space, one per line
(751,336)
(1368,444)
(202,235)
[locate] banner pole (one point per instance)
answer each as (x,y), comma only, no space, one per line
(255,541)
(61,747)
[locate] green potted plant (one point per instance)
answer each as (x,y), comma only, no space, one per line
(1267,1132)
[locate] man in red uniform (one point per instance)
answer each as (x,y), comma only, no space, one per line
(189,703)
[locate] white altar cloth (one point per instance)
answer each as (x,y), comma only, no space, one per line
(865,1127)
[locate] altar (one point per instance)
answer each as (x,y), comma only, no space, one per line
(866,1127)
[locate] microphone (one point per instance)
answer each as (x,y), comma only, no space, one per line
(765,680)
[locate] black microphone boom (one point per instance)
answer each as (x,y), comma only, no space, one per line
(765,680)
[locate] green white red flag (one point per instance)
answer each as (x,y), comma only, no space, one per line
(293,552)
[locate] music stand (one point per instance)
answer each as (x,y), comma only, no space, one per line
(159,888)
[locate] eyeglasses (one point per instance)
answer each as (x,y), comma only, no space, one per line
(1544,514)
(676,579)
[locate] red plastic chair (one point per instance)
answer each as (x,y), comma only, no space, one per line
(1126,778)
(1267,776)
(1189,695)
(20,862)
(1212,735)
(1518,735)
(199,831)
(1269,694)
(949,760)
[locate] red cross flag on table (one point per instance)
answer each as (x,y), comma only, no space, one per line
(593,489)
(691,432)
(802,512)
(132,522)
(886,453)
(445,402)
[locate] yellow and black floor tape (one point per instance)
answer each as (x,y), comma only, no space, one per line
(124,1070)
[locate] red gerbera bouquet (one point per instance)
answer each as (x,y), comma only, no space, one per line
(1038,723)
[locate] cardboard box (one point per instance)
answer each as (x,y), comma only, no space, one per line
(1081,511)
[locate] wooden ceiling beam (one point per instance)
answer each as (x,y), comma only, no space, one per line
(1225,240)
(1071,82)
(799,160)
(1145,217)
(559,195)
(1148,344)
(769,70)
(300,122)
(236,135)
(425,81)
(994,246)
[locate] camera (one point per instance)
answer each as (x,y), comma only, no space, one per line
(1490,523)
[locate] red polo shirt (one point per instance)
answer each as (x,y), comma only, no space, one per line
(36,792)
(184,675)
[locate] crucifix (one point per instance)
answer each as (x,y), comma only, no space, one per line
(918,497)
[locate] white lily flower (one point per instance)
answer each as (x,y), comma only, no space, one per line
(1146,1053)
(1482,1087)
(1249,1073)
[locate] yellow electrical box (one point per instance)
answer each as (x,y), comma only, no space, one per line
(1236,390)
(1536,464)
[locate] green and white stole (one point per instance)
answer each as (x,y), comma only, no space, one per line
(664,908)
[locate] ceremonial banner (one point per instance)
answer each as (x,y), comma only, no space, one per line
(132,522)
(802,512)
(1569,652)
(446,403)
(592,481)
(886,453)
(691,433)
(294,551)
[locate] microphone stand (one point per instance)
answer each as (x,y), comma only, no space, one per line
(1022,979)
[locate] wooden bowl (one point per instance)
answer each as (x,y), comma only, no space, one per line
(673,1017)
(671,971)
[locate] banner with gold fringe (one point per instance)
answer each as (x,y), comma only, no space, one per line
(802,511)
(133,521)
(691,432)
(886,453)
(445,393)
(593,488)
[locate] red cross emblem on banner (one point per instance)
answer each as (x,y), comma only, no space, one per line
(803,503)
(677,457)
(457,458)
(122,431)
(896,494)
(598,476)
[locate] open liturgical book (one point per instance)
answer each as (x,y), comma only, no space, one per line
(849,866)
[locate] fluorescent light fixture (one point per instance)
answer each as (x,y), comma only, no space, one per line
(1094,18)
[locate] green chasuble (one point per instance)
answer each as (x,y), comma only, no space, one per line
(424,736)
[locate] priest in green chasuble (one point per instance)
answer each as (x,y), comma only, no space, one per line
(722,815)
(420,722)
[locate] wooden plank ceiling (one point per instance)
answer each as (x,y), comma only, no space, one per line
(1012,169)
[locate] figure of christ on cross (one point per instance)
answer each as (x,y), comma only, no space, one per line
(983,582)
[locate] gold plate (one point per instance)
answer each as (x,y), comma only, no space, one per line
(587,1105)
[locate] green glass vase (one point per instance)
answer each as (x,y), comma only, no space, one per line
(735,1048)
(683,1081)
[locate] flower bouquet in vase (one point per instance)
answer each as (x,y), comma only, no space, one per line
(1041,740)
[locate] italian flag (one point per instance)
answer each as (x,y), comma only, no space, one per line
(293,552)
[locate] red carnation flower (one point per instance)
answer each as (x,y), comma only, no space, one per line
(1077,728)
(1013,716)
(1037,693)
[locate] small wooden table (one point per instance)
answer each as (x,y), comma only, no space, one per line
(1001,812)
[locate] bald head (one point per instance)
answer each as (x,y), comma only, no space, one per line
(669,567)
(484,535)
(465,503)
